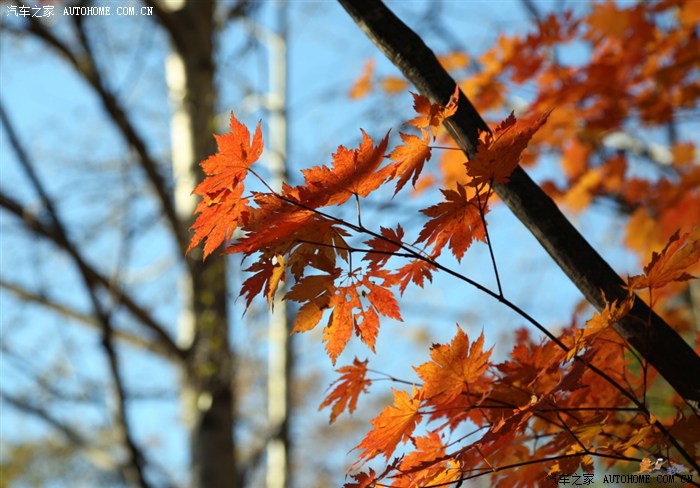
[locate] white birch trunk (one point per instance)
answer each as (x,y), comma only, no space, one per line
(279,357)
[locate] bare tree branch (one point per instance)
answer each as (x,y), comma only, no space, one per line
(30,297)
(46,230)
(532,9)
(86,66)
(133,467)
(657,341)
(24,406)
(101,458)
(207,373)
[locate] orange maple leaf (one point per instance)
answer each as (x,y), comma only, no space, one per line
(393,84)
(395,424)
(422,465)
(432,115)
(451,472)
(611,313)
(341,323)
(353,381)
(221,205)
(354,172)
(315,292)
(607,20)
(366,321)
(528,360)
(453,61)
(382,300)
(409,158)
(498,154)
(453,367)
(671,264)
(310,314)
(320,294)
(363,480)
(416,271)
(269,273)
(310,287)
(384,247)
(363,85)
(456,221)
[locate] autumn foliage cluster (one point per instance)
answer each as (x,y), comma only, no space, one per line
(561,402)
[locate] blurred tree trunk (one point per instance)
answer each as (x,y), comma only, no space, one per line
(208,396)
(279,340)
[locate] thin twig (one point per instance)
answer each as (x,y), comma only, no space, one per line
(86,66)
(43,229)
(133,468)
(482,213)
(82,318)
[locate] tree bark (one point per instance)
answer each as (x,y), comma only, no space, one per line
(208,392)
(655,340)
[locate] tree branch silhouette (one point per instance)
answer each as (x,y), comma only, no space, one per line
(133,466)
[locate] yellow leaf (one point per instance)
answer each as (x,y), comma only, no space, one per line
(395,424)
(671,264)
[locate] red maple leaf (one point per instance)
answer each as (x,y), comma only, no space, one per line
(363,480)
(498,154)
(352,382)
(278,225)
(432,115)
(384,247)
(269,273)
(221,205)
(409,158)
(416,271)
(456,221)
(354,172)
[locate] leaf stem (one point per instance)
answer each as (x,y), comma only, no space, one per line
(482,213)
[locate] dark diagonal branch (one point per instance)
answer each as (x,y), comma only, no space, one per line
(658,342)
